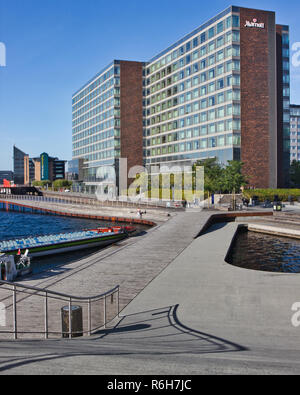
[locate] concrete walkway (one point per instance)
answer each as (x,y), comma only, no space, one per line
(132,264)
(198,316)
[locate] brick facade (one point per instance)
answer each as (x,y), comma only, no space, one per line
(132,113)
(258,99)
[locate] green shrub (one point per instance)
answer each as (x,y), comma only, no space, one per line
(264,194)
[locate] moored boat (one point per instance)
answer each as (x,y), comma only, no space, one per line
(64,242)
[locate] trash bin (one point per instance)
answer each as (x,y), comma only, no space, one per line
(76,321)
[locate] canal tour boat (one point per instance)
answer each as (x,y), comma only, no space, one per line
(65,242)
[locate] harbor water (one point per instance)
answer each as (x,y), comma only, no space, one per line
(256,251)
(19,225)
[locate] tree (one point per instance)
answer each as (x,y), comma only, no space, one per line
(62,184)
(43,183)
(295,174)
(233,178)
(213,175)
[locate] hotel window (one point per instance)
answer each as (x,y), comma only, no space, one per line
(189,134)
(189,146)
(196,132)
(196,106)
(211,46)
(195,55)
(211,101)
(229,109)
(211,32)
(220,69)
(236,36)
(220,27)
(211,60)
(220,127)
(203,104)
(203,90)
(195,68)
(221,141)
(220,41)
(203,117)
(221,112)
(195,42)
(203,143)
(236,50)
(220,56)
(203,130)
(229,80)
(228,22)
(220,98)
(212,142)
(203,51)
(211,115)
(195,93)
(220,84)
(203,37)
(211,87)
(235,21)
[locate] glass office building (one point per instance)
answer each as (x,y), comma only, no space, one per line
(193,96)
(101,115)
(295,132)
(221,91)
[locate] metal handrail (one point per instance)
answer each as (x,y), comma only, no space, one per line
(108,293)
(48,294)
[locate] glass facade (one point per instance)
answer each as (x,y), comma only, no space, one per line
(19,157)
(295,132)
(192,96)
(96,121)
(286,98)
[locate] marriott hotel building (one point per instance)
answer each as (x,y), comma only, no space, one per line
(221,91)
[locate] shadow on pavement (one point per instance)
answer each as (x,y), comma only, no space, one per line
(150,334)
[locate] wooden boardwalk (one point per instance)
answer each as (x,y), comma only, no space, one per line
(132,264)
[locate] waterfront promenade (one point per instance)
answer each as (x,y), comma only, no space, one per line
(192,313)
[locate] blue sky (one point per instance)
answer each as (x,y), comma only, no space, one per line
(55,46)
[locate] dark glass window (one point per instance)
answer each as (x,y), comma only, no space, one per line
(211,32)
(220,27)
(203,37)
(235,21)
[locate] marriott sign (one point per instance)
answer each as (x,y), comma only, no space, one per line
(255,24)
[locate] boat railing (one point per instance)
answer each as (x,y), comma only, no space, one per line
(31,312)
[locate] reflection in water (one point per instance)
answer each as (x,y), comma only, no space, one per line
(257,251)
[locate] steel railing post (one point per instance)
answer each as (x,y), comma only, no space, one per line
(15,312)
(46,315)
(118,301)
(104,305)
(89,318)
(70,318)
